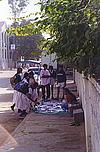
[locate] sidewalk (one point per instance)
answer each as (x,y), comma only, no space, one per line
(46,133)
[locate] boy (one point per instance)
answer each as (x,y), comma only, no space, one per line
(52,79)
(45,81)
(61,80)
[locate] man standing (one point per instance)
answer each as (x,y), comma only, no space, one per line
(45,82)
(52,79)
(61,80)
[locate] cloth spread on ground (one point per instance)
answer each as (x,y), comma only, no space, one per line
(50,107)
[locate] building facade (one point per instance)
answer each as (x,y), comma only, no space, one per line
(4,46)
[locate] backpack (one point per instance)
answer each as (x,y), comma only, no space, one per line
(14,80)
(22,87)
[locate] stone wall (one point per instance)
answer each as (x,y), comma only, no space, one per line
(89,92)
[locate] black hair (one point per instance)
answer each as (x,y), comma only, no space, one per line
(50,66)
(31,73)
(19,70)
(45,65)
(66,91)
(25,74)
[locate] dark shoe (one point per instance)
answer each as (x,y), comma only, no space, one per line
(38,103)
(56,98)
(62,99)
(43,98)
(19,111)
(23,114)
(52,98)
(47,98)
(12,108)
(75,124)
(72,124)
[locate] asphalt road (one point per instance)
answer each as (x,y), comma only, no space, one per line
(6,90)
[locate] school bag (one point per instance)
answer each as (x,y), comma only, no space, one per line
(15,79)
(12,81)
(22,87)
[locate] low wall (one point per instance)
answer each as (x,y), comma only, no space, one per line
(89,92)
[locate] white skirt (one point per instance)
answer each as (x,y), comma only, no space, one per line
(21,101)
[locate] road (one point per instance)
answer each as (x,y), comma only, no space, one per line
(8,119)
(5,90)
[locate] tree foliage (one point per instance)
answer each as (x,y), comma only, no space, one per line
(26,46)
(17,6)
(74,28)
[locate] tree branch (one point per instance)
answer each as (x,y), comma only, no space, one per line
(84,3)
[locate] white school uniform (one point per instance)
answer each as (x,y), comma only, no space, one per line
(21,100)
(45,81)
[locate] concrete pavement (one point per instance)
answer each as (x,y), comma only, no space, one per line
(46,134)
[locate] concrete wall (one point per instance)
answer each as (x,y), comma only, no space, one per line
(89,92)
(49,59)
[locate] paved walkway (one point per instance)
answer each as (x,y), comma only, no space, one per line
(46,133)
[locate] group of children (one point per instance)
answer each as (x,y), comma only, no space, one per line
(25,91)
(26,88)
(49,77)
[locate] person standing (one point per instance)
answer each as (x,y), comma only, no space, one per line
(17,77)
(22,101)
(61,80)
(52,79)
(14,80)
(45,82)
(33,85)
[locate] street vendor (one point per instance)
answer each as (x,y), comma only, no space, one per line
(70,98)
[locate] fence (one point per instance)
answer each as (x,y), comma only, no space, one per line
(89,92)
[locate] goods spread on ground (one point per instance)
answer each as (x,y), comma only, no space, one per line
(51,107)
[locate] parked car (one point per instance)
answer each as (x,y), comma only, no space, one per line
(35,70)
